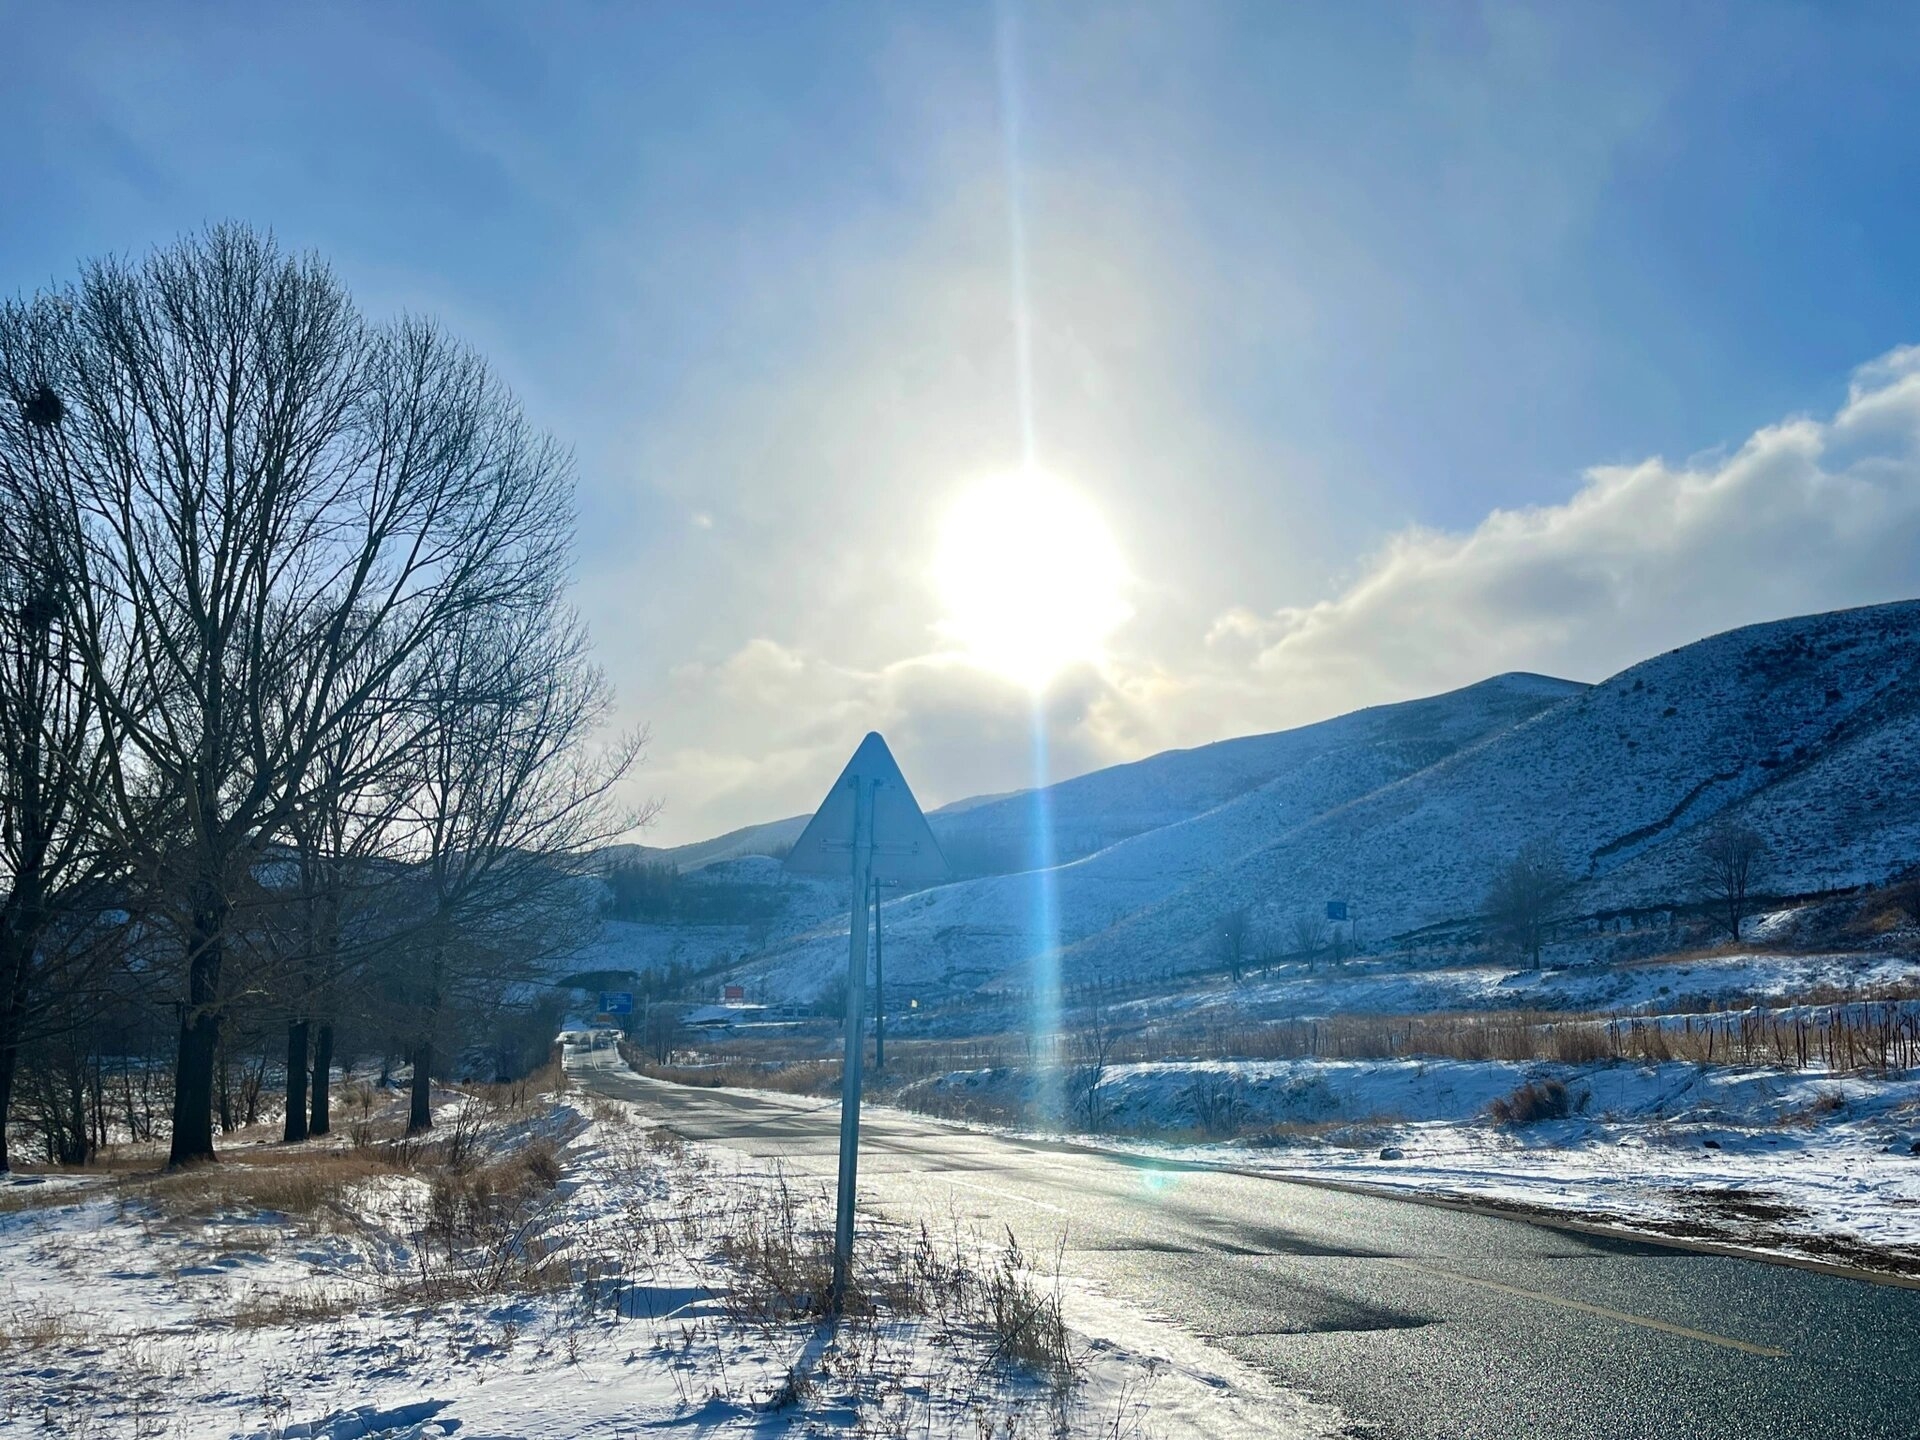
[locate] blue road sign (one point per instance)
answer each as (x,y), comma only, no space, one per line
(616,1002)
(1336,909)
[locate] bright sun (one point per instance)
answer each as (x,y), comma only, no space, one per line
(1030,576)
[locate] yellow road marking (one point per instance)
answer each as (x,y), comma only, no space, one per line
(1645,1322)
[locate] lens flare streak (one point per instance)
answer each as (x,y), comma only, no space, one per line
(1044,942)
(1044,1019)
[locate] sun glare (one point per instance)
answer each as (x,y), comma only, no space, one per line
(1030,577)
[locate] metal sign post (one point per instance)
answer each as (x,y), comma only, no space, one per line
(870,829)
(855,1045)
(879,991)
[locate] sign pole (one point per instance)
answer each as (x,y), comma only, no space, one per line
(871,818)
(855,1043)
(879,991)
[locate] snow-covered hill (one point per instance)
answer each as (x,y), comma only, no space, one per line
(1180,813)
(1805,729)
(1312,764)
(771,838)
(994,834)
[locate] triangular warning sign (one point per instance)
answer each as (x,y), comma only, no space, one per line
(904,850)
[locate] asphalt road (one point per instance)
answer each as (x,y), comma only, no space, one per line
(1416,1321)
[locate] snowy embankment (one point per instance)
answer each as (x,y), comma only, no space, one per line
(1804,1163)
(545,1272)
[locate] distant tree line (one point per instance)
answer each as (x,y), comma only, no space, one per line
(297,730)
(1528,897)
(656,891)
(1528,900)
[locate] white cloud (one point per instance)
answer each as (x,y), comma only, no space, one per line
(1807,515)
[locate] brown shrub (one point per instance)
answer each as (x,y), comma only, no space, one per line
(1535,1100)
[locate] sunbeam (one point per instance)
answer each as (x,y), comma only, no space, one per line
(1044,1014)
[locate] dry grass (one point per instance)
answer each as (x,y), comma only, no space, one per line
(1825,1105)
(1881,912)
(1294,1132)
(28,1328)
(1029,1331)
(518,1095)
(265,1310)
(314,1184)
(804,1077)
(784,1259)
(775,1240)
(485,1230)
(1848,1030)
(305,1185)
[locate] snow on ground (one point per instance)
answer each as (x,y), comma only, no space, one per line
(1803,1163)
(1387,988)
(575,1273)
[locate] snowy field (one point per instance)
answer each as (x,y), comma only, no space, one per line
(1801,1163)
(565,1272)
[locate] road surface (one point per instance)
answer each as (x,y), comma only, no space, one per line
(1416,1321)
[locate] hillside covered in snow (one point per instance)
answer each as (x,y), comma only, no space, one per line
(1803,730)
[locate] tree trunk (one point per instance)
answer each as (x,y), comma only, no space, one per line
(322,1076)
(296,1126)
(199,1043)
(420,1117)
(253,1080)
(97,1099)
(79,1148)
(16,970)
(9,1057)
(223,1088)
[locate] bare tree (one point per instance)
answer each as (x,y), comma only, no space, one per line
(1093,1045)
(1526,896)
(342,905)
(1725,866)
(1232,941)
(660,1030)
(502,814)
(54,877)
(1308,934)
(269,488)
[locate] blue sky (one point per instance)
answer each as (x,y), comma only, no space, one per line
(1323,297)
